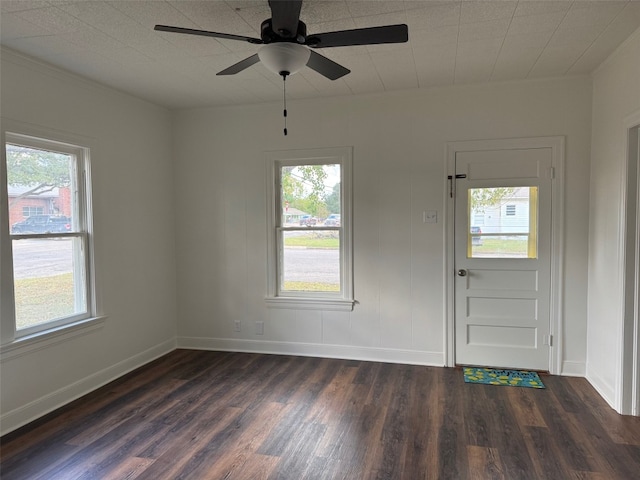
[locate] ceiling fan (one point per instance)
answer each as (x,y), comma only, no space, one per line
(286,43)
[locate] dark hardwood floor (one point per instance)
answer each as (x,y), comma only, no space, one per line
(213,415)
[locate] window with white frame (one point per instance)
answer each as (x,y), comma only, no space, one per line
(28,211)
(52,282)
(310,246)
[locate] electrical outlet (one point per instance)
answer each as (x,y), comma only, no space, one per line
(259,328)
(236,326)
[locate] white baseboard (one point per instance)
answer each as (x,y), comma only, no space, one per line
(348,352)
(573,369)
(35,409)
(605,390)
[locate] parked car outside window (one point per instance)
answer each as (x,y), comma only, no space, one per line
(476,239)
(308,220)
(332,220)
(43,224)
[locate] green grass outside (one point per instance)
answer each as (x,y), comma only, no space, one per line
(311,287)
(312,242)
(44,298)
(501,245)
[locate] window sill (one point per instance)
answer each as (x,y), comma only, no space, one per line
(46,338)
(310,303)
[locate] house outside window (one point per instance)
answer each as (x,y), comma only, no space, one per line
(50,244)
(310,246)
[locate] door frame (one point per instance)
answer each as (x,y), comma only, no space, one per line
(556,298)
(628,391)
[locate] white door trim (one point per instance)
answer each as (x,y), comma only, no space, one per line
(628,390)
(557,145)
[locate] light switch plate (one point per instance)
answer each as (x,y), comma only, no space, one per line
(430,216)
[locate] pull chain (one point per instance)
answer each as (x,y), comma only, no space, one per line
(284,100)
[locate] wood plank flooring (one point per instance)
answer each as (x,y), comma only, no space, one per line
(214,415)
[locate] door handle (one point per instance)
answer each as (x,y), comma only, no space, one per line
(462,272)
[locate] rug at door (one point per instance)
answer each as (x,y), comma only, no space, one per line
(493,376)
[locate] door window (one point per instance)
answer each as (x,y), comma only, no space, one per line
(503,222)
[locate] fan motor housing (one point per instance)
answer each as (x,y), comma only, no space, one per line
(268,35)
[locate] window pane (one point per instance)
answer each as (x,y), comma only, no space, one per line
(41,190)
(311,261)
(48,280)
(28,211)
(310,195)
(499,229)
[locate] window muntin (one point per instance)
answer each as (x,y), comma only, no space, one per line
(509,230)
(50,251)
(310,240)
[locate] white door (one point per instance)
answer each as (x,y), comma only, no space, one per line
(503,257)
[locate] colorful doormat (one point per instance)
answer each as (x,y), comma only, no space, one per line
(492,376)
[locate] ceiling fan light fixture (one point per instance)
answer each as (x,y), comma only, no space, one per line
(284,57)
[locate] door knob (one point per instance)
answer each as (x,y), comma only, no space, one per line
(462,272)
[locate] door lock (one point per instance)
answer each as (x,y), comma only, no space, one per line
(462,272)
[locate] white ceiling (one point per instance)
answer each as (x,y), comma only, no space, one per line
(450,42)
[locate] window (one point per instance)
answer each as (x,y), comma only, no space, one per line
(310,257)
(52,282)
(513,237)
(28,211)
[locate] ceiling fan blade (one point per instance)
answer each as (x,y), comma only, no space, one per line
(326,67)
(206,33)
(360,36)
(285,15)
(241,65)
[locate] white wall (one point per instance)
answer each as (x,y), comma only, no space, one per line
(399,171)
(134,236)
(616,95)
